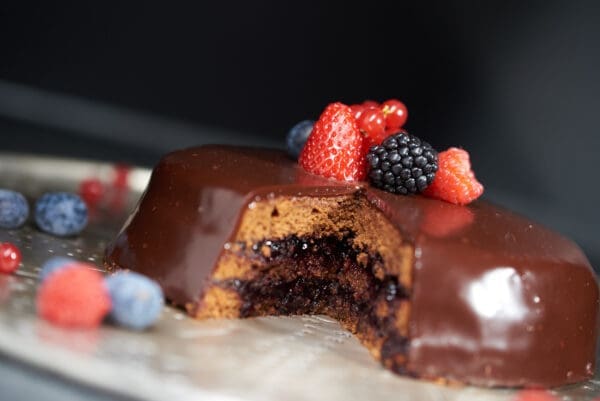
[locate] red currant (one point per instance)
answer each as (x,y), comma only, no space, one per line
(357,110)
(372,123)
(91,191)
(370,103)
(395,113)
(10,257)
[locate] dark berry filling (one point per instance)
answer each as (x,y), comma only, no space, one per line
(328,275)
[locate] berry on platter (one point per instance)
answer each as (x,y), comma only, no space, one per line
(136,300)
(13,209)
(297,136)
(402,164)
(53,264)
(395,113)
(335,147)
(10,257)
(61,213)
(91,190)
(74,297)
(455,181)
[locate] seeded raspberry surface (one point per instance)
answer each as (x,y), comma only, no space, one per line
(454,181)
(74,297)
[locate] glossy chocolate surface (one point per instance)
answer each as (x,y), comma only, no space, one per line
(496,299)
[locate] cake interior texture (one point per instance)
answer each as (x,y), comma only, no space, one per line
(475,295)
(336,256)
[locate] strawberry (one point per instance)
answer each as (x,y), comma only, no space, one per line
(335,148)
(454,181)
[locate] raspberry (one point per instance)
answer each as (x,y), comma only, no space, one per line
(13,209)
(61,213)
(534,395)
(297,136)
(335,148)
(74,297)
(136,300)
(402,164)
(455,182)
(10,257)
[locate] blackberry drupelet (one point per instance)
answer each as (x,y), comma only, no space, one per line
(402,164)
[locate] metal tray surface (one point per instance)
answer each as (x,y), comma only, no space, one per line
(272,358)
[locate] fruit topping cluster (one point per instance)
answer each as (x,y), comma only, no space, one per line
(367,141)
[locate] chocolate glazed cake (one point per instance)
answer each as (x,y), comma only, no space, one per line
(471,294)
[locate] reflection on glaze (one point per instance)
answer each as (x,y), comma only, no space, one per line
(497,295)
(497,299)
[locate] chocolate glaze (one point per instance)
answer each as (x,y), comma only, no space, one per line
(497,300)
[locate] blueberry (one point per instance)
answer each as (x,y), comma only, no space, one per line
(61,213)
(13,209)
(136,300)
(296,137)
(53,264)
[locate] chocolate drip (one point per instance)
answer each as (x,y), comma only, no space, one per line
(496,299)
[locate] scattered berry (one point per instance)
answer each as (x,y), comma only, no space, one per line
(372,124)
(10,257)
(335,148)
(13,209)
(534,395)
(455,182)
(297,136)
(395,113)
(402,164)
(91,191)
(54,264)
(74,297)
(136,300)
(61,213)
(121,179)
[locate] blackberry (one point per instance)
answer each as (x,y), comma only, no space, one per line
(402,164)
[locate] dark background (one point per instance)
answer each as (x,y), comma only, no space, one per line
(515,83)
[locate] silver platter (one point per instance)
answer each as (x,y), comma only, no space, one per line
(284,358)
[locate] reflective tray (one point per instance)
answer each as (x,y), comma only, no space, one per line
(283,358)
